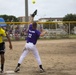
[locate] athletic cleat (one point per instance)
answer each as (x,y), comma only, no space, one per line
(17,69)
(42,70)
(34,13)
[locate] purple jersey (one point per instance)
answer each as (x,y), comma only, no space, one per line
(33,35)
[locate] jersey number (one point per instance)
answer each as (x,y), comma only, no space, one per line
(30,35)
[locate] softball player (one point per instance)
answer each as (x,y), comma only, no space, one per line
(33,35)
(2,47)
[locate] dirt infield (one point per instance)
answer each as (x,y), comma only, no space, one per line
(58,58)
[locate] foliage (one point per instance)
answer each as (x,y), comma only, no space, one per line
(9,18)
(70,17)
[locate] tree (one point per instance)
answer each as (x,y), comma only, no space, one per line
(70,17)
(9,18)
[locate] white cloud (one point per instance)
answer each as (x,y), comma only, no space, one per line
(46,8)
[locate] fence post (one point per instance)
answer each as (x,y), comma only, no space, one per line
(69,28)
(49,26)
(56,29)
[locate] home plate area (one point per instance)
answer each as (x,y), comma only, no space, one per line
(8,73)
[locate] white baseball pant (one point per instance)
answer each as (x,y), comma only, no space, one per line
(30,47)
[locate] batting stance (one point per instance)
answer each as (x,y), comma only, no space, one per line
(33,35)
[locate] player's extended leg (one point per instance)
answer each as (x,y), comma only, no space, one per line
(2,52)
(36,54)
(23,55)
(2,62)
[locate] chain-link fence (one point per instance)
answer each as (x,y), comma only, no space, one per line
(55,30)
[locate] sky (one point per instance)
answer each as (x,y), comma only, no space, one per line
(46,8)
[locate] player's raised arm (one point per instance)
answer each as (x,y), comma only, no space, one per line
(32,19)
(32,16)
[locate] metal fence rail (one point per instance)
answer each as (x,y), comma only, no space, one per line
(65,29)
